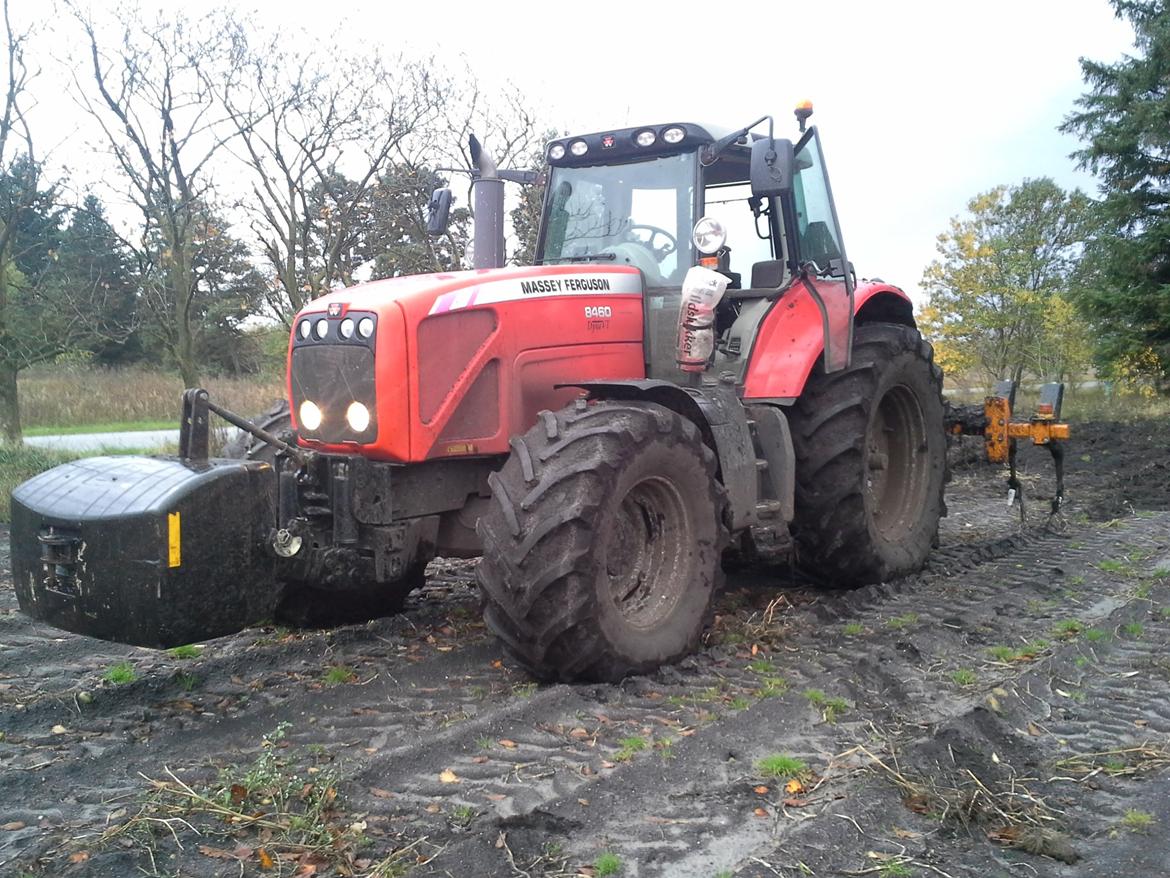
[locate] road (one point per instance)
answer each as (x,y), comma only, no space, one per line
(145,439)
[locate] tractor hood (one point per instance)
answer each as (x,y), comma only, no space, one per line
(384,363)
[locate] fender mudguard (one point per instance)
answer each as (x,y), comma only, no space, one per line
(805,324)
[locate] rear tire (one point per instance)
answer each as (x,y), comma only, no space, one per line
(870,460)
(602,542)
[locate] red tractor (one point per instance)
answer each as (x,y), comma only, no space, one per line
(690,366)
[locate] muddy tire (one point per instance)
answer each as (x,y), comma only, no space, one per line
(602,542)
(870,460)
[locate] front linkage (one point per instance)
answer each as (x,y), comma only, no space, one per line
(993,421)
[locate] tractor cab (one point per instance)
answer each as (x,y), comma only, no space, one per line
(665,198)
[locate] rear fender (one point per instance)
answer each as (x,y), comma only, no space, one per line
(794,334)
(723,423)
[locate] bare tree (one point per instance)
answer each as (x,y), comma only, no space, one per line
(152,95)
(317,137)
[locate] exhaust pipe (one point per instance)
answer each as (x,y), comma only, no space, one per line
(488,209)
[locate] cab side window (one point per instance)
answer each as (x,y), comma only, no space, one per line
(819,236)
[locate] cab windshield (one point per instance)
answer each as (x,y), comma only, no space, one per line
(638,214)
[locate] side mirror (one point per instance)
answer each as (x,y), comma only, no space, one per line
(773,164)
(438,211)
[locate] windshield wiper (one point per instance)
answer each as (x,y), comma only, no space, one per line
(595,257)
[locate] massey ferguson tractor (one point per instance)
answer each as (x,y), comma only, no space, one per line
(691,367)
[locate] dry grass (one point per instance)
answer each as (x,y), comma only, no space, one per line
(65,396)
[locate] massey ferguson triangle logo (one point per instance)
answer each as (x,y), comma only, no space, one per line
(334,309)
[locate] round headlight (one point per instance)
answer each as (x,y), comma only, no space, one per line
(366,327)
(708,235)
(346,328)
(304,329)
(673,135)
(645,138)
(358,417)
(556,151)
(578,147)
(310,415)
(322,328)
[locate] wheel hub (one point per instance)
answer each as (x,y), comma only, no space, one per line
(648,552)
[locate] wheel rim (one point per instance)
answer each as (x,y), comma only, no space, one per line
(898,463)
(648,552)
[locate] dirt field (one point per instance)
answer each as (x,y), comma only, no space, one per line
(1005,713)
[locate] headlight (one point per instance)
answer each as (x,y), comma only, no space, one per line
(578,147)
(645,138)
(358,417)
(304,329)
(310,415)
(708,235)
(673,135)
(556,151)
(322,328)
(366,327)
(346,328)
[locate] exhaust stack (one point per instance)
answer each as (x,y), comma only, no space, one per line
(488,209)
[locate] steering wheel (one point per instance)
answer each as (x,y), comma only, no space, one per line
(662,252)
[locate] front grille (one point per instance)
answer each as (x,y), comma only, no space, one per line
(333,376)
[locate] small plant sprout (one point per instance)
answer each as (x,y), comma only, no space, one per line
(120,673)
(338,674)
(1002,653)
(1132,629)
(778,766)
(772,687)
(607,864)
(1137,821)
(462,815)
(963,677)
(903,621)
(629,746)
(894,869)
(852,629)
(761,666)
(1093,635)
(1069,628)
(188,651)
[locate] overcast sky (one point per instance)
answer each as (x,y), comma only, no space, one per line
(921,105)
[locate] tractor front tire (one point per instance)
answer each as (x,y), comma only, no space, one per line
(870,460)
(602,542)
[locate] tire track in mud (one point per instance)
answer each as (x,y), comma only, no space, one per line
(419,707)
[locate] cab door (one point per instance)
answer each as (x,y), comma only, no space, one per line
(820,251)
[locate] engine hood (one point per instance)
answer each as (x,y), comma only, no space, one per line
(445,291)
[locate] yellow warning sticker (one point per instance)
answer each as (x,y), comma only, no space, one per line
(174,541)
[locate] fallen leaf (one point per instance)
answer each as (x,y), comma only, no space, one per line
(1141,722)
(432,808)
(907,833)
(578,733)
(917,803)
(13,826)
(497,663)
(796,803)
(583,803)
(760,791)
(505,742)
(496,797)
(501,840)
(266,861)
(358,826)
(243,853)
(760,812)
(239,793)
(1035,730)
(58,730)
(380,793)
(793,787)
(755,649)
(216,853)
(79,857)
(448,776)
(479,760)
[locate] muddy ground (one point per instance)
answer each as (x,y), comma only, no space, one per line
(1005,713)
